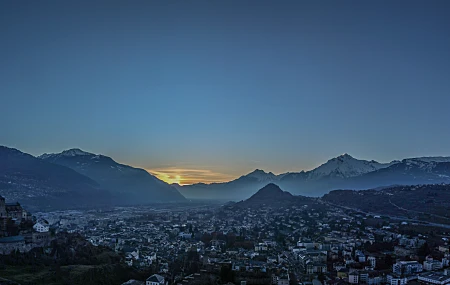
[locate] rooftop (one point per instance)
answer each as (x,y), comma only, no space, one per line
(436,276)
(156,278)
(12,239)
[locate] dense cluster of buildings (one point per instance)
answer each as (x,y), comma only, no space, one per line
(307,244)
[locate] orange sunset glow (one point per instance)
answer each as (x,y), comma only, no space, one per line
(186,176)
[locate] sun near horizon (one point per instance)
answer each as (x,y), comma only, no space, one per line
(186,176)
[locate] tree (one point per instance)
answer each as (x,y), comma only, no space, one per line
(226,274)
(423,251)
(321,277)
(388,261)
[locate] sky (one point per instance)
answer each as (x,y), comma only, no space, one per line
(206,91)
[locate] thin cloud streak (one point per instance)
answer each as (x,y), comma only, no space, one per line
(186,176)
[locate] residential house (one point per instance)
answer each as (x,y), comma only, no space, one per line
(155,279)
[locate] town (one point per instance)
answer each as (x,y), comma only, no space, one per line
(262,142)
(212,243)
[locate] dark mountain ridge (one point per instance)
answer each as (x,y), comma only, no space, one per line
(269,192)
(36,182)
(272,195)
(418,202)
(127,184)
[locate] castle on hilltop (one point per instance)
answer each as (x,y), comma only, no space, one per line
(13,211)
(17,229)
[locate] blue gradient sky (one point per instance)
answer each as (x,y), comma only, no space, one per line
(214,89)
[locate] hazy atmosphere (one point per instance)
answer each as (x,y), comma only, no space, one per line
(210,90)
(228,142)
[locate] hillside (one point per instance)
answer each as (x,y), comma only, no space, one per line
(271,195)
(128,185)
(421,202)
(70,259)
(39,184)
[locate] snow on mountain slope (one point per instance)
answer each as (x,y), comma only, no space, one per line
(131,185)
(69,152)
(429,159)
(425,163)
(83,162)
(342,172)
(345,166)
(43,185)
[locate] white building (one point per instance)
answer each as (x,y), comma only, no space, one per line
(261,247)
(185,235)
(431,265)
(353,278)
(396,280)
(307,245)
(359,256)
(41,227)
(407,267)
(376,280)
(373,261)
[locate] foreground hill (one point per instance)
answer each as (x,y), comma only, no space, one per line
(127,184)
(271,195)
(421,202)
(38,183)
(342,172)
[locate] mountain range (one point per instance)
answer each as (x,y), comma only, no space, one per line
(75,178)
(342,172)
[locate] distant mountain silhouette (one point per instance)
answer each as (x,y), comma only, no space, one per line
(342,172)
(128,185)
(238,189)
(78,178)
(41,184)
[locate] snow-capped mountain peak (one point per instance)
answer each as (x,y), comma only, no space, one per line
(69,152)
(346,166)
(75,152)
(344,156)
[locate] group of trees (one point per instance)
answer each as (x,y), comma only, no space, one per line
(423,251)
(70,259)
(227,274)
(379,246)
